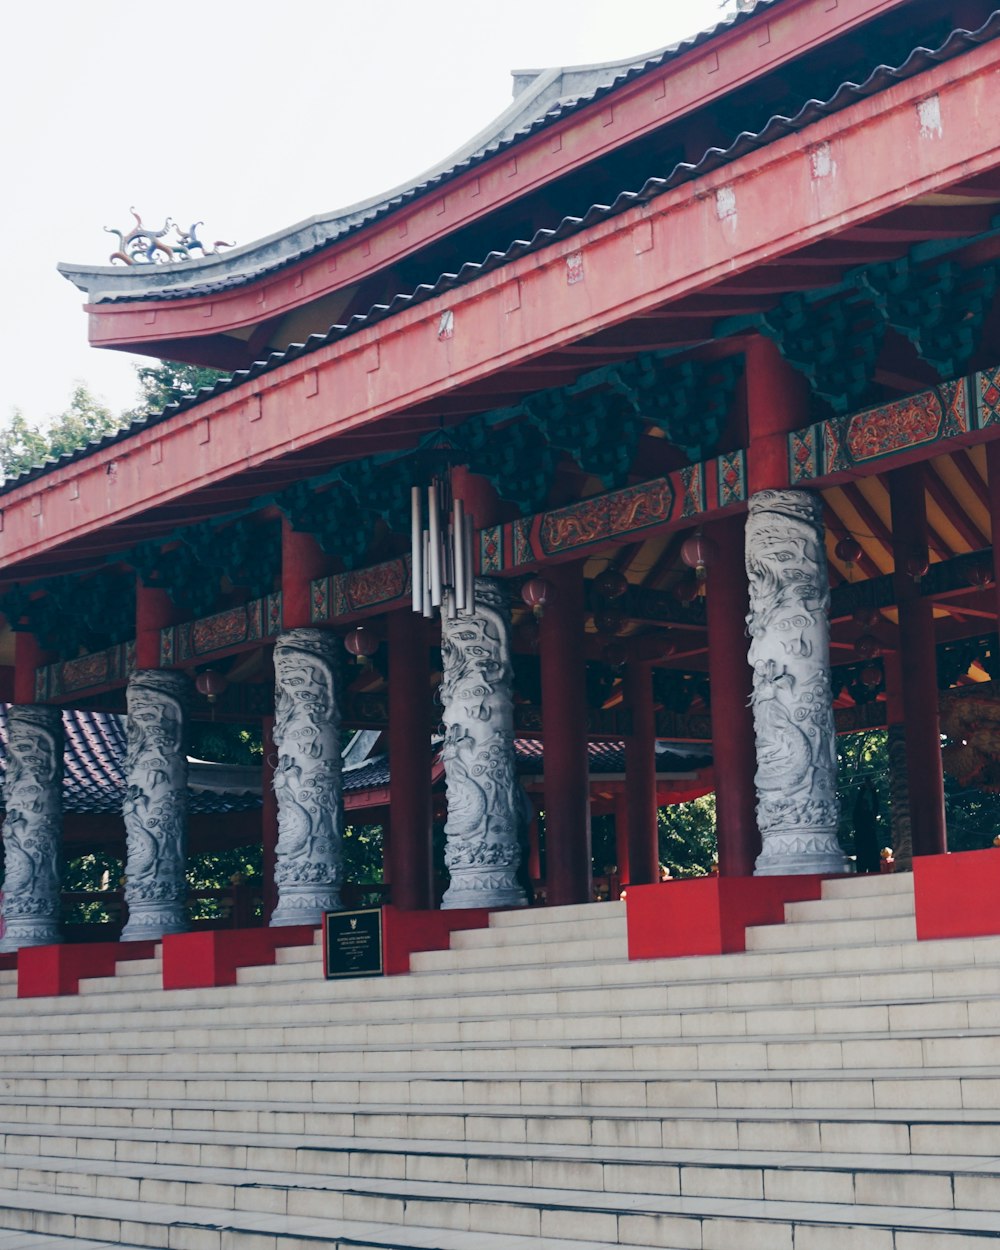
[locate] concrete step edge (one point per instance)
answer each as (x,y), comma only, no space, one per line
(623,1205)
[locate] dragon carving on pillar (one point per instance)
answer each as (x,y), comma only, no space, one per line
(485,798)
(797,805)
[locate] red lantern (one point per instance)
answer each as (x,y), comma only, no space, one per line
(609,620)
(361,643)
(697,552)
(210,684)
(871,676)
(611,584)
(867,617)
(537,593)
(867,646)
(848,550)
(917,565)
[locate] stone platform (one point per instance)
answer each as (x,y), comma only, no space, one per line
(834,1087)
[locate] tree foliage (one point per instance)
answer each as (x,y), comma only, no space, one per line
(24,443)
(168,383)
(687,837)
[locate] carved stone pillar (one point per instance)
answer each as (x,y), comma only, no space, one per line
(155,807)
(32,830)
(307,779)
(796,778)
(486,803)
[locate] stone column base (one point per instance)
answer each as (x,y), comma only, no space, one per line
(150,921)
(793,853)
(23,931)
(483,887)
(304,905)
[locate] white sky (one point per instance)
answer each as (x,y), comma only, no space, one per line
(248,115)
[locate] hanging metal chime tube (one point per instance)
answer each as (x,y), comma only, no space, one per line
(441,547)
(416,549)
(470,568)
(458,530)
(434,529)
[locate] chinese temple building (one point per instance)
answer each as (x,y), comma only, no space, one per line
(638,450)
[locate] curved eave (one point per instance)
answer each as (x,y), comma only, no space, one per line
(549,96)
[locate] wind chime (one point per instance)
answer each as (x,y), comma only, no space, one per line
(441,552)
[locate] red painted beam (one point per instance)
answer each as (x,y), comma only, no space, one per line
(650,102)
(763,206)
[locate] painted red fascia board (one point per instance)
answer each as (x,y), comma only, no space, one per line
(765,205)
(653,100)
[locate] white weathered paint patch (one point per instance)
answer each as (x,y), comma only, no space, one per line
(446,326)
(574,268)
(725,204)
(929,116)
(822,162)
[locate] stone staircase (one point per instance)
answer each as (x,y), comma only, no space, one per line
(835,1087)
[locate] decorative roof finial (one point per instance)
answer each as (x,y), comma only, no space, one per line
(143,246)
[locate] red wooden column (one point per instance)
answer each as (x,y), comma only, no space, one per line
(28,656)
(477,494)
(777,402)
(269,817)
(564,732)
(409,856)
(153,612)
(918,665)
(640,777)
(302,559)
(733,751)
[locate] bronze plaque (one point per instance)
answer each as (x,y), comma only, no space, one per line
(352,943)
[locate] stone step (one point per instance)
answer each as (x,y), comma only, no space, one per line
(122,983)
(322,1047)
(878,906)
(872,932)
(593,1089)
(96,1131)
(876,883)
(946,1183)
(753,966)
(911,1019)
(139,967)
(556,915)
(583,930)
(338,1216)
(20,1240)
(645,985)
(597,949)
(913,1054)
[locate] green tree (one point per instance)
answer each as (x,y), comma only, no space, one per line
(168,382)
(687,837)
(24,445)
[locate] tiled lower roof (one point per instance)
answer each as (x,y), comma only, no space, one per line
(95,768)
(605,757)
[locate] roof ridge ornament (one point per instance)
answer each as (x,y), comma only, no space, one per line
(144,246)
